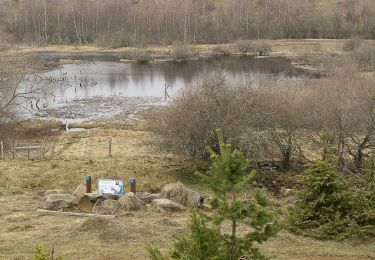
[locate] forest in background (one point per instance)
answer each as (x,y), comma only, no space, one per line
(120,23)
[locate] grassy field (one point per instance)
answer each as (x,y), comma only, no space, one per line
(23,182)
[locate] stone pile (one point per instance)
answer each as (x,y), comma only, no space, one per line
(173,198)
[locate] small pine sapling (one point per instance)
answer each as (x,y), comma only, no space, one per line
(228,177)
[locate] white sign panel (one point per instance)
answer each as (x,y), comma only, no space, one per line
(111,187)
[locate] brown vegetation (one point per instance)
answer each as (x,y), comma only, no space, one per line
(288,117)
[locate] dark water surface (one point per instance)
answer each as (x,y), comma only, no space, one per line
(99,85)
(103,75)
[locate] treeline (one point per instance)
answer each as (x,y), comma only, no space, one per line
(119,23)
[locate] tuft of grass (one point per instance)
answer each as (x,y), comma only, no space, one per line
(253,47)
(181,52)
(352,44)
(222,50)
(365,58)
(138,55)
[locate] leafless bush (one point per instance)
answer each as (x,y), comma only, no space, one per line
(181,52)
(139,55)
(14,95)
(222,50)
(352,44)
(188,122)
(277,119)
(254,47)
(365,58)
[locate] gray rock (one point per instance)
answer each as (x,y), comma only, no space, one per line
(177,192)
(55,191)
(130,202)
(166,205)
(80,191)
(94,196)
(85,204)
(111,196)
(58,202)
(106,207)
(147,197)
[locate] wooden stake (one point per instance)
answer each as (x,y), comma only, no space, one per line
(2,150)
(110,146)
(75,214)
(13,151)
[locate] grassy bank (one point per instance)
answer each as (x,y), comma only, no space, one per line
(279,47)
(314,52)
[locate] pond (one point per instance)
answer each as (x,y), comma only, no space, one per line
(99,85)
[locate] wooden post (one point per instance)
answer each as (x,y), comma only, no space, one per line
(13,151)
(53,150)
(110,146)
(28,154)
(2,150)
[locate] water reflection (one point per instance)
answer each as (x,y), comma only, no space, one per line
(106,77)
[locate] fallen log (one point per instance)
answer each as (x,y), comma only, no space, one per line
(74,214)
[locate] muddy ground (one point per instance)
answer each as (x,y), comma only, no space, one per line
(115,109)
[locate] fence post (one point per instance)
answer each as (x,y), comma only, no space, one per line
(2,150)
(13,151)
(53,150)
(110,146)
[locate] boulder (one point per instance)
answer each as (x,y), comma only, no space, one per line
(55,191)
(111,196)
(106,207)
(94,196)
(85,204)
(58,202)
(80,191)
(166,205)
(130,202)
(147,197)
(86,201)
(177,192)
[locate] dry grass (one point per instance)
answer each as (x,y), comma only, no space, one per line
(315,50)
(279,47)
(23,182)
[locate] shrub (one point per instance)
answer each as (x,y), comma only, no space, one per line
(328,209)
(185,126)
(352,44)
(365,58)
(180,52)
(257,48)
(263,48)
(41,253)
(244,46)
(222,50)
(139,55)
